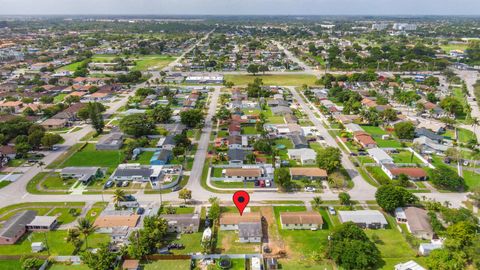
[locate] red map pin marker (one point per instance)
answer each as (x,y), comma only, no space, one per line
(241,199)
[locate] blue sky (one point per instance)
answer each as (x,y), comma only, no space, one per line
(238,7)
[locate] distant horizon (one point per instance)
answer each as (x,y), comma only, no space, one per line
(241,7)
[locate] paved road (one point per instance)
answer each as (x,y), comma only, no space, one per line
(470,78)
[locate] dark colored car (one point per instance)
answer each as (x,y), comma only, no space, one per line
(109,184)
(140,211)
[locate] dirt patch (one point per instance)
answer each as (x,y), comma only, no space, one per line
(271,231)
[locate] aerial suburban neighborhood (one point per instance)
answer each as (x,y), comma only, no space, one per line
(354,141)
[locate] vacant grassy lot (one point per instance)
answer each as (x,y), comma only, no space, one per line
(71,67)
(228,243)
(167,265)
(465,135)
(55,240)
(152,61)
(374,131)
(288,79)
(88,156)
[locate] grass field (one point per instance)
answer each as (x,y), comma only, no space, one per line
(388,143)
(71,67)
(472,179)
(10,264)
(228,243)
(448,47)
(55,241)
(143,158)
(59,266)
(167,265)
(142,62)
(95,211)
(88,156)
(59,98)
(465,135)
(288,79)
(405,157)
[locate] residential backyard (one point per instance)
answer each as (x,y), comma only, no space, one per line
(88,156)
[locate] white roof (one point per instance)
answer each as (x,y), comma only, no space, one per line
(43,221)
(363,216)
(400,213)
(410,265)
(380,155)
(304,153)
(430,143)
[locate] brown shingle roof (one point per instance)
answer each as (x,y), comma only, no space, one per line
(117,221)
(243,172)
(412,172)
(234,218)
(301,218)
(306,171)
(418,220)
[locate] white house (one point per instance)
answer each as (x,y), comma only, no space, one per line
(305,156)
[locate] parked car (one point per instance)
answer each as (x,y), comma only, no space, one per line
(268,183)
(119,183)
(256,183)
(353,154)
(125,184)
(309,189)
(109,184)
(465,163)
(176,188)
(262,183)
(140,211)
(331,210)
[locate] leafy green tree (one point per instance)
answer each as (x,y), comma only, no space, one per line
(344,198)
(223,114)
(50,139)
(351,248)
(137,125)
(73,237)
(405,130)
(446,178)
(263,145)
(443,259)
(252,68)
(192,118)
(317,202)
(146,241)
(101,259)
(215,210)
(161,114)
(35,138)
(185,194)
(282,179)
(460,235)
(118,196)
(329,158)
(30,263)
(390,197)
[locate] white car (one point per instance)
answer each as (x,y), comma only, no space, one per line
(331,210)
(309,189)
(268,183)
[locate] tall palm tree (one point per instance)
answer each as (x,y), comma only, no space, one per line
(317,201)
(475,123)
(73,237)
(118,196)
(86,228)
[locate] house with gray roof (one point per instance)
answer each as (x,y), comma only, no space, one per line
(419,132)
(250,232)
(112,141)
(15,227)
(236,156)
(372,219)
(136,172)
(161,157)
(429,146)
(299,141)
(82,174)
(281,110)
(182,223)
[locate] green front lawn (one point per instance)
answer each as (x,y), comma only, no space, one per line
(249,130)
(88,156)
(95,211)
(374,131)
(59,266)
(405,157)
(472,179)
(10,265)
(465,135)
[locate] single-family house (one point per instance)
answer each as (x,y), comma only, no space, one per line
(235,142)
(380,156)
(372,219)
(167,143)
(236,156)
(417,221)
(15,227)
(364,139)
(242,174)
(250,232)
(54,123)
(136,172)
(429,146)
(305,156)
(82,174)
(161,157)
(182,223)
(42,223)
(299,141)
(420,132)
(301,220)
(310,173)
(107,222)
(230,221)
(413,173)
(111,141)
(281,110)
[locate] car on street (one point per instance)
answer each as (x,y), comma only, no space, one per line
(310,189)
(125,184)
(331,210)
(109,184)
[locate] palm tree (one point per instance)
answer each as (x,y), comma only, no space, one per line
(86,228)
(475,123)
(73,237)
(118,196)
(317,201)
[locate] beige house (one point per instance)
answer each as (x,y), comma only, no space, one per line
(301,220)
